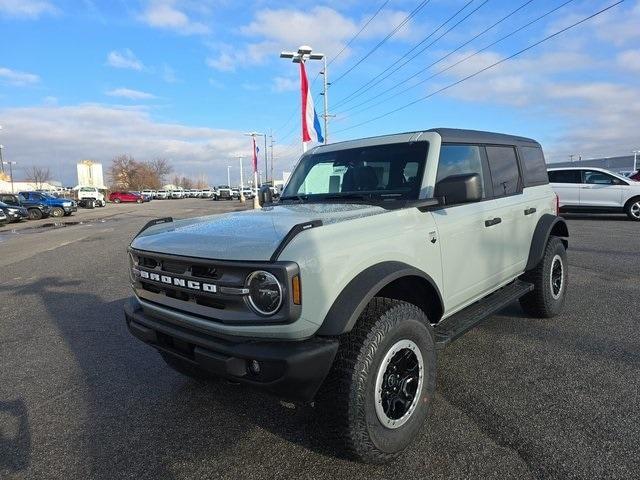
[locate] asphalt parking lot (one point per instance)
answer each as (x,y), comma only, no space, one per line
(516,397)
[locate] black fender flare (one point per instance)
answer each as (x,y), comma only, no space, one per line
(353,299)
(547,225)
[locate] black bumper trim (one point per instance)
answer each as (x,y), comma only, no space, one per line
(289,369)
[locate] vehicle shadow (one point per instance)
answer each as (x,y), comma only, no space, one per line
(616,217)
(15,437)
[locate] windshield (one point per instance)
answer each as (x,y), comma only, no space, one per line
(373,173)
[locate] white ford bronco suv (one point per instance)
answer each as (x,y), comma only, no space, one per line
(379,252)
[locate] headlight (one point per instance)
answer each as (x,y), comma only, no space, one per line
(66,204)
(265,292)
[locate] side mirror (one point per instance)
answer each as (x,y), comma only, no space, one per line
(459,188)
(264,195)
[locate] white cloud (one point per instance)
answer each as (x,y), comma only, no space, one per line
(629,60)
(167,15)
(71,133)
(285,84)
(26,8)
(130,94)
(14,77)
(275,30)
(124,59)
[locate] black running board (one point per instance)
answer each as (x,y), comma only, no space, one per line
(459,323)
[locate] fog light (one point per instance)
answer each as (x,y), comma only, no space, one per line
(254,367)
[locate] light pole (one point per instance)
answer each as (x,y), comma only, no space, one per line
(241,192)
(11,164)
(635,160)
(256,200)
(302,55)
(228,176)
(1,162)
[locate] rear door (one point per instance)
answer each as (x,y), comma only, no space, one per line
(566,184)
(599,189)
(470,248)
(510,204)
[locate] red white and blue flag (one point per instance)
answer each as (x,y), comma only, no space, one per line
(255,155)
(311,131)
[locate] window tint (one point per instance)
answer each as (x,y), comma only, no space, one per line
(565,176)
(505,175)
(599,178)
(459,160)
(534,168)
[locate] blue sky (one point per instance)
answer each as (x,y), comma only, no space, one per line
(183,79)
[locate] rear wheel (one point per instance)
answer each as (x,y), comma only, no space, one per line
(549,279)
(57,212)
(116,200)
(185,368)
(632,209)
(35,214)
(378,393)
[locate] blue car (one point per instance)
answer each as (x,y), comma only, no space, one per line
(60,207)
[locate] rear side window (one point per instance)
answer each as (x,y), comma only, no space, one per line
(460,160)
(565,176)
(534,168)
(505,174)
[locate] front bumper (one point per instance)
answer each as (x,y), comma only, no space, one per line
(293,370)
(71,209)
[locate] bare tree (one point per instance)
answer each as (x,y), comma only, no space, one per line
(38,175)
(123,172)
(161,168)
(186,183)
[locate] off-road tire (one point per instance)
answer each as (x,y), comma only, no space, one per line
(632,209)
(542,301)
(186,368)
(57,212)
(347,398)
(35,214)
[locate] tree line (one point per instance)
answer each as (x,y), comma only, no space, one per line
(127,173)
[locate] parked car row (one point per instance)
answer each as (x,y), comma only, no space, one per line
(34,206)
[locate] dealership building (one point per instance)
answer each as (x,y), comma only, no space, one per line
(615,164)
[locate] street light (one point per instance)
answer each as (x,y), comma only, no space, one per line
(256,134)
(228,176)
(256,200)
(302,55)
(242,199)
(635,160)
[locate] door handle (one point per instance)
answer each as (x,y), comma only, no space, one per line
(492,222)
(530,211)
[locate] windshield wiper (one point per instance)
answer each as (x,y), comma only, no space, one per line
(299,198)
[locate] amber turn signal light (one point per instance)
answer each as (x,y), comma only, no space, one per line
(295,289)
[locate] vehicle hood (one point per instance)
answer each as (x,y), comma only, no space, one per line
(245,235)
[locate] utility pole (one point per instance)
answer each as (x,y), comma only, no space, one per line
(325,95)
(635,160)
(11,164)
(253,135)
(301,56)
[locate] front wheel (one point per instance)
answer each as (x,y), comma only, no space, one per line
(116,200)
(35,214)
(549,279)
(378,393)
(57,212)
(633,209)
(139,200)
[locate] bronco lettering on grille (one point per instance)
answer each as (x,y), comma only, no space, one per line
(178,282)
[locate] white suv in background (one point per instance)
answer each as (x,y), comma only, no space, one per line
(591,189)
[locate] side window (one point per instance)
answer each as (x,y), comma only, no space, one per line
(505,175)
(565,176)
(599,178)
(534,168)
(458,160)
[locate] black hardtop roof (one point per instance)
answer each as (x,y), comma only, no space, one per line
(456,135)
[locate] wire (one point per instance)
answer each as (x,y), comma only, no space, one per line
(355,93)
(458,82)
(384,4)
(440,59)
(517,30)
(412,14)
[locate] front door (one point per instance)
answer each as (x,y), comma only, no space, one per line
(599,189)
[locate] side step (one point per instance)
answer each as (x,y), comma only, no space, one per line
(459,323)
